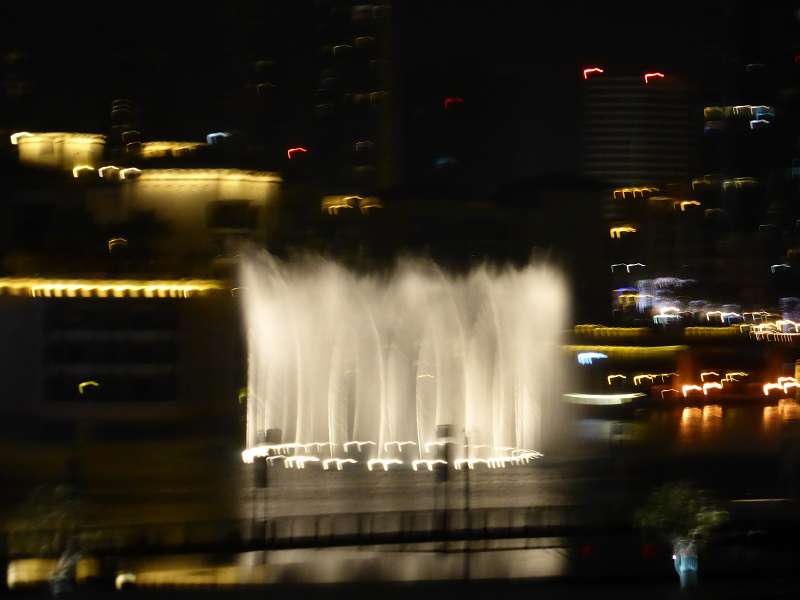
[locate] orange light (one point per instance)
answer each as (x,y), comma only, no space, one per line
(291,151)
(685,389)
(711,385)
(591,70)
(449,101)
(647,76)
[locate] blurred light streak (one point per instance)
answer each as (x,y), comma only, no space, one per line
(685,389)
(358,445)
(622,192)
(616,232)
(774,268)
(337,462)
(627,266)
(603,331)
(117,241)
(292,151)
(123,173)
(628,352)
(106,288)
(450,101)
(712,411)
(168,148)
(586,358)
(299,462)
(384,462)
(398,445)
(84,384)
(637,380)
(103,170)
(589,70)
(669,390)
(684,203)
(429,463)
(704,373)
(77,170)
(15,136)
(615,376)
(711,385)
(602,399)
(211,138)
(648,76)
(755,122)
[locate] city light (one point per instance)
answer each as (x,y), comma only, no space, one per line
(103,170)
(685,389)
(292,151)
(616,232)
(610,378)
(76,171)
(586,358)
(115,242)
(711,385)
(649,76)
(602,399)
(85,384)
(123,173)
(106,288)
(633,191)
(627,266)
(603,331)
(704,374)
(15,136)
(684,203)
(589,70)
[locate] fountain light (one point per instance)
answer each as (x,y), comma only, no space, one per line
(429,463)
(337,462)
(384,462)
(398,445)
(357,444)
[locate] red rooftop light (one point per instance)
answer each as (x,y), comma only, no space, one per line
(449,101)
(591,70)
(292,151)
(647,76)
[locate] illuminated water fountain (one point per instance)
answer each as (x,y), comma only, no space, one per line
(365,367)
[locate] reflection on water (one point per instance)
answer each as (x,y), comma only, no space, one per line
(727,428)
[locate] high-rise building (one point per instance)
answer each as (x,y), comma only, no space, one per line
(636,128)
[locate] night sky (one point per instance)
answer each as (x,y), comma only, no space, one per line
(517,64)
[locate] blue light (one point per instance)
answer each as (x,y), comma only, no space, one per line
(214,138)
(586,358)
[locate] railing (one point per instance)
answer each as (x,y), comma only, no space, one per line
(323,530)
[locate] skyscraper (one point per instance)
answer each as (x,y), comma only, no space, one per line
(636,128)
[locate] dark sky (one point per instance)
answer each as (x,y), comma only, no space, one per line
(518,63)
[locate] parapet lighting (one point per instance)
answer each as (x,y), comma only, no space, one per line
(106,288)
